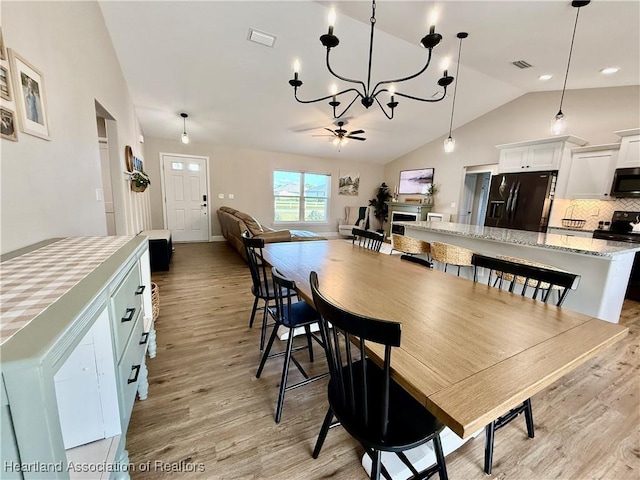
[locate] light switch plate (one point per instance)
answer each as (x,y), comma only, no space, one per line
(221,196)
(231,196)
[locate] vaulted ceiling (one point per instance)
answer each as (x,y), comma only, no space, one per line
(195,57)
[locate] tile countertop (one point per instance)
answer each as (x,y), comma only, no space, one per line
(579,245)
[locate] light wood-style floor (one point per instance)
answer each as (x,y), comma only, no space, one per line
(206,410)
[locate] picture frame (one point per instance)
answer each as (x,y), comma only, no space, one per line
(3,49)
(8,129)
(5,84)
(30,97)
(416,181)
(349,183)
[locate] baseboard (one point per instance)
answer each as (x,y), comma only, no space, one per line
(216,238)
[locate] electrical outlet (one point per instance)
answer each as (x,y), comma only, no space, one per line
(221,196)
(453,205)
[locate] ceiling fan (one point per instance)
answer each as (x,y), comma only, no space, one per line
(341,136)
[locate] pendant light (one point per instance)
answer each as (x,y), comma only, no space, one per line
(559,123)
(184,138)
(450,143)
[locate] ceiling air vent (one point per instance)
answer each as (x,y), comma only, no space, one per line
(262,38)
(522,64)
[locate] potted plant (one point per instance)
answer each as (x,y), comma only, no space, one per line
(139,181)
(380,207)
(431,192)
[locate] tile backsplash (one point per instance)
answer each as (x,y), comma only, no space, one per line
(592,211)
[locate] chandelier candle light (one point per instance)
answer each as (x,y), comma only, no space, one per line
(367,95)
(559,124)
(450,143)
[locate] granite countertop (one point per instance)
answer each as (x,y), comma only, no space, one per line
(580,245)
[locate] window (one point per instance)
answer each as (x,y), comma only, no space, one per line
(300,196)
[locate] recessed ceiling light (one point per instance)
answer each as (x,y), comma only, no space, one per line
(544,77)
(609,70)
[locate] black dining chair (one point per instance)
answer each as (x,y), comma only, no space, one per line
(367,239)
(540,281)
(419,260)
(292,315)
(262,284)
(363,397)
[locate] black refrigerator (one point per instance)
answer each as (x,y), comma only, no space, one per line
(521,201)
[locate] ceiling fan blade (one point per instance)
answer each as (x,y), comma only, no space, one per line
(356,132)
(356,138)
(329,130)
(322,135)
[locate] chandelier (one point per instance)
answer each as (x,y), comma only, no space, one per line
(363,91)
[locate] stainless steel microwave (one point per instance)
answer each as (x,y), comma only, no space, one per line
(626,183)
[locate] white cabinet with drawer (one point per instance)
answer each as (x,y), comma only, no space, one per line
(629,148)
(536,155)
(72,372)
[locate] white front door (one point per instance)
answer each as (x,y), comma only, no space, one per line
(186,197)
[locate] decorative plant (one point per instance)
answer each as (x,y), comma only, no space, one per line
(432,190)
(380,208)
(139,181)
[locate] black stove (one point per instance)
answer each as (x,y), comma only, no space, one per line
(621,230)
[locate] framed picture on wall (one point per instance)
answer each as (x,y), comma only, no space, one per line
(30,96)
(3,50)
(8,124)
(5,84)
(415,181)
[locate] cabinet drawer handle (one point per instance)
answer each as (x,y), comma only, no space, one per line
(144,338)
(129,316)
(140,289)
(135,377)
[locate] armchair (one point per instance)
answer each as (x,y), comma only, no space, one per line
(355,217)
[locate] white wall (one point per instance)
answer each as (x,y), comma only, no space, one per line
(248,175)
(593,114)
(48,188)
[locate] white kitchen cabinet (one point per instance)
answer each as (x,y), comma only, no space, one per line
(629,156)
(591,172)
(536,155)
(70,373)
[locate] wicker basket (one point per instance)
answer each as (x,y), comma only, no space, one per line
(451,254)
(573,223)
(136,188)
(155,301)
(409,245)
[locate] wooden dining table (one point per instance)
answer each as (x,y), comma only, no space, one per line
(469,352)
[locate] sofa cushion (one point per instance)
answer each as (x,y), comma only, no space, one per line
(252,224)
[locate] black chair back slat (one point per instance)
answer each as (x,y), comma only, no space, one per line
(368,239)
(349,375)
(420,261)
(259,269)
(563,281)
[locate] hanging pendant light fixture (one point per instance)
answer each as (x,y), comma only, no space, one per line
(559,123)
(450,143)
(184,138)
(367,95)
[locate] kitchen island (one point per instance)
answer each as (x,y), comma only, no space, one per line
(604,266)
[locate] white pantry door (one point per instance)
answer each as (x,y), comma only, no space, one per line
(186,200)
